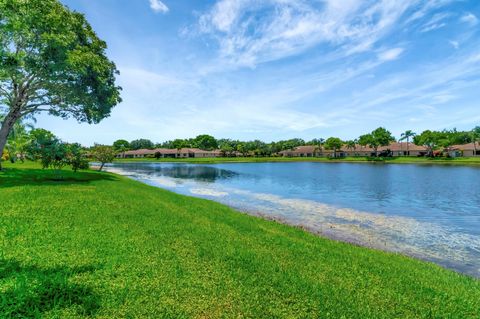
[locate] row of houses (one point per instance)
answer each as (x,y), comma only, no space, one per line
(170,153)
(394,149)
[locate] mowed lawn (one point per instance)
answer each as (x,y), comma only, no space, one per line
(101,246)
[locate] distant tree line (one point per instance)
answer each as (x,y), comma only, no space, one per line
(379,137)
(25,142)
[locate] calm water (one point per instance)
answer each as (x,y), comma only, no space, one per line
(430,212)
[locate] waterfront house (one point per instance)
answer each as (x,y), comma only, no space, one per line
(403,149)
(465,150)
(136,154)
(301,151)
(169,153)
(394,149)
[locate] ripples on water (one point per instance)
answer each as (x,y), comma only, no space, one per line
(430,212)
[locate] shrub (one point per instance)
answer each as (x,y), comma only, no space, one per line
(76,157)
(104,154)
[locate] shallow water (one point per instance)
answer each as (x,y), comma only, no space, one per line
(430,212)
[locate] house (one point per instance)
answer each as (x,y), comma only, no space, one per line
(170,153)
(358,151)
(136,154)
(394,149)
(403,149)
(301,151)
(465,150)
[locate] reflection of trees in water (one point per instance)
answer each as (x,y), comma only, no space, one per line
(198,173)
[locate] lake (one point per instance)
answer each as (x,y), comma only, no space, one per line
(430,212)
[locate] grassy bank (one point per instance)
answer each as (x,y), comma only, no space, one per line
(100,245)
(393,160)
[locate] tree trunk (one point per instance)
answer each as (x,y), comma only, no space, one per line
(408,142)
(101,167)
(7,125)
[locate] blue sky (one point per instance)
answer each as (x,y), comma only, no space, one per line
(277,69)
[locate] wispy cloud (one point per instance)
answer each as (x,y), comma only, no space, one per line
(436,22)
(158,6)
(252,32)
(390,55)
(469,18)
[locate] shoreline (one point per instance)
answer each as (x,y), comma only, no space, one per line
(334,232)
(473,161)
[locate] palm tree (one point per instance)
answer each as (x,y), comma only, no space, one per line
(320,142)
(406,136)
(351,145)
(18,140)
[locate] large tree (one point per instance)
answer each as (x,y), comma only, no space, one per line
(52,61)
(333,143)
(141,144)
(205,142)
(430,140)
(378,137)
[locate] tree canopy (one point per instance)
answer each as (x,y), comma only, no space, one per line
(121,145)
(141,144)
(205,142)
(52,61)
(377,138)
(333,143)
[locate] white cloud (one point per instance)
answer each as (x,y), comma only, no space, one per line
(390,55)
(158,6)
(469,18)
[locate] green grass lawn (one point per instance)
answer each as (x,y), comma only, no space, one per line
(393,160)
(98,245)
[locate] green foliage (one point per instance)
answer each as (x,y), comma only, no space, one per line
(104,154)
(53,153)
(76,157)
(121,145)
(351,144)
(47,148)
(227,149)
(407,135)
(141,144)
(205,142)
(54,54)
(366,140)
(429,139)
(377,138)
(333,143)
(52,61)
(108,247)
(382,136)
(18,140)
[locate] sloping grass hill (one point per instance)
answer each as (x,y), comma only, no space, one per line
(96,245)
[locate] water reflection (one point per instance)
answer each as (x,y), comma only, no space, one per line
(198,173)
